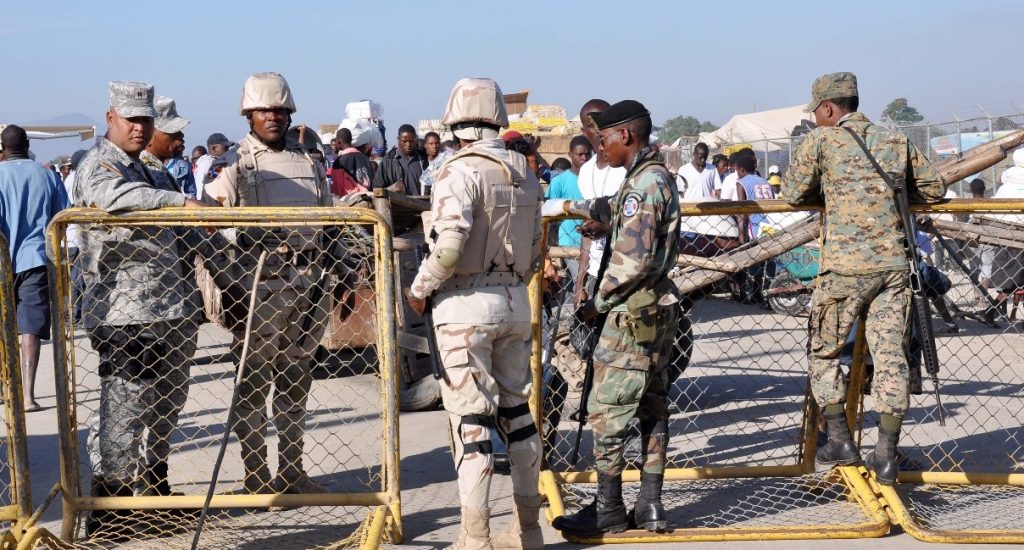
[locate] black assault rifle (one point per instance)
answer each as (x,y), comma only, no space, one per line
(920,310)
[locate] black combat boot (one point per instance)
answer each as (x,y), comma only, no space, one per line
(649,513)
(840,450)
(607,514)
(158,480)
(883,460)
(113,525)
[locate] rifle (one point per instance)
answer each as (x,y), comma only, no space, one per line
(588,380)
(428,319)
(920,310)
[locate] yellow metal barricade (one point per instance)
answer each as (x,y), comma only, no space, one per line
(964,482)
(743,428)
(15,490)
(349,427)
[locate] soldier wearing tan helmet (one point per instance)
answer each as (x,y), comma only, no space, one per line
(271,170)
(484,234)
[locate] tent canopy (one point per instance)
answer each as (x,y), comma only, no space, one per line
(82,132)
(774,126)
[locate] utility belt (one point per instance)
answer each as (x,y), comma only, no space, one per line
(288,268)
(650,312)
(479,280)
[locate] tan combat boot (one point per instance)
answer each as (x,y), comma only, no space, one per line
(475,531)
(523,532)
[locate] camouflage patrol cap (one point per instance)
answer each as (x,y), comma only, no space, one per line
(130,98)
(167,119)
(831,86)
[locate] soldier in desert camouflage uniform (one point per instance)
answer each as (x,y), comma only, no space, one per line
(137,309)
(641,314)
(863,262)
(485,235)
(272,170)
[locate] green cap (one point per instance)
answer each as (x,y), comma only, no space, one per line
(832,86)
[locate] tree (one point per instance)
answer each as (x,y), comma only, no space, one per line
(679,126)
(900,112)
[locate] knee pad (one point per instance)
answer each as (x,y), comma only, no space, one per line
(516,424)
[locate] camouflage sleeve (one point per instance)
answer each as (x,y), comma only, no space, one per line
(598,209)
(923,177)
(802,184)
(451,213)
(224,189)
(633,249)
(104,186)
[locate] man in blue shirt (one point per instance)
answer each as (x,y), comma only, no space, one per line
(566,186)
(751,187)
(30,196)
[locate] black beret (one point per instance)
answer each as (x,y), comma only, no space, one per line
(620,113)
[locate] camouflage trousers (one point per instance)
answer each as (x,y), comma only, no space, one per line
(630,381)
(144,379)
(279,358)
(486,387)
(838,300)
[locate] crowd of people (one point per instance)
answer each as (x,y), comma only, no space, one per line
(488,192)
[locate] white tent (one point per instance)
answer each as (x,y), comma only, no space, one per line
(765,130)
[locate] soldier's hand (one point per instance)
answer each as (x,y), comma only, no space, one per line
(419,305)
(593,229)
(192,203)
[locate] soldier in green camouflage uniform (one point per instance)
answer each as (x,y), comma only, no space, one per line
(863,261)
(640,314)
(137,308)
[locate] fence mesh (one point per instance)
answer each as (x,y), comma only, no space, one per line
(740,399)
(980,339)
(15,491)
(739,393)
(163,322)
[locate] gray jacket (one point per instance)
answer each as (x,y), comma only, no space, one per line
(132,275)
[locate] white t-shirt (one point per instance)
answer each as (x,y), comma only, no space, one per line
(72,232)
(203,165)
(694,185)
(722,226)
(597,182)
(729,187)
(1012,188)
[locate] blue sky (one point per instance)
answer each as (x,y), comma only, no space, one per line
(710,60)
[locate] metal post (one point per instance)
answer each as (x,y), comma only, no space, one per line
(928,141)
(959,151)
(991,136)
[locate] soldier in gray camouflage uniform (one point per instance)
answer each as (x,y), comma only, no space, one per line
(641,316)
(136,307)
(863,262)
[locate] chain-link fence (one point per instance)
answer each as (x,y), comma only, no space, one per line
(743,429)
(201,328)
(938,141)
(962,481)
(15,490)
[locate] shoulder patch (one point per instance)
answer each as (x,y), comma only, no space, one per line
(631,205)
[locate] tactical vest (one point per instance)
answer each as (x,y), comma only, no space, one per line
(499,249)
(285,178)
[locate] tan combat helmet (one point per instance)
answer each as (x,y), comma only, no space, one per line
(476,109)
(266,91)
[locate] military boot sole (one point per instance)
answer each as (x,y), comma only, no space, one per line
(885,472)
(846,455)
